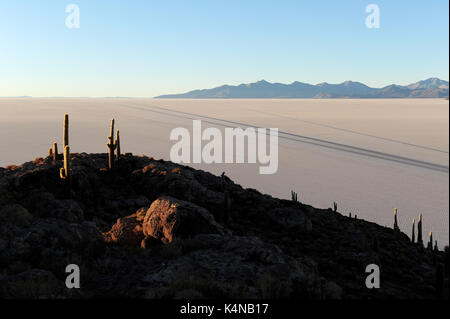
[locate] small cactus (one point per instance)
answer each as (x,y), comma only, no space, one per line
(50,152)
(55,151)
(294,196)
(430,243)
(64,172)
(413,237)
(395,220)
(436,249)
(335,206)
(419,230)
(66,131)
(111,146)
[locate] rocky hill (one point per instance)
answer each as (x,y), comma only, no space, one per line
(429,88)
(154,229)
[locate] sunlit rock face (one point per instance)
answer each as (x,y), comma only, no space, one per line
(168,217)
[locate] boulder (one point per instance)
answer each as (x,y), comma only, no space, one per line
(127,230)
(169,217)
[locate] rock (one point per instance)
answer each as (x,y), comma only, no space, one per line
(236,264)
(168,217)
(127,230)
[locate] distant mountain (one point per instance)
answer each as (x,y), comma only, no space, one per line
(430,88)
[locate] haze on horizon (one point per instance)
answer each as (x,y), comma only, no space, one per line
(148,49)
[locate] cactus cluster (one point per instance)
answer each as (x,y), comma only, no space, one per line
(64,171)
(294,197)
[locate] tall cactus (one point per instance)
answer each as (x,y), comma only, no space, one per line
(334,206)
(66,131)
(419,230)
(395,220)
(111,146)
(55,151)
(413,237)
(118,145)
(64,172)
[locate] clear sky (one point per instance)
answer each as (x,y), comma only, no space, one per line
(146,48)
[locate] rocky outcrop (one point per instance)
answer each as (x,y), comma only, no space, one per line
(168,218)
(197,242)
(127,230)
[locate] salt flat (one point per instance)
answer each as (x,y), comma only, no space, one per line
(367,155)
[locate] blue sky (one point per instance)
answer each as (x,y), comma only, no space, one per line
(146,48)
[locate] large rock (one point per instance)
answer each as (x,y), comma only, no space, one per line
(169,217)
(127,230)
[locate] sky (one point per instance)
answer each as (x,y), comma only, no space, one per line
(147,48)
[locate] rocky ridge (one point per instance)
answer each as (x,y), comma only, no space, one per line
(155,229)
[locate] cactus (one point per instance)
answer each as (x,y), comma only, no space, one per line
(395,220)
(350,215)
(335,206)
(419,230)
(55,151)
(66,131)
(294,196)
(64,172)
(430,243)
(111,146)
(50,152)
(118,145)
(436,249)
(413,237)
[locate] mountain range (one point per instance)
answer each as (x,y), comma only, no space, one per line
(430,88)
